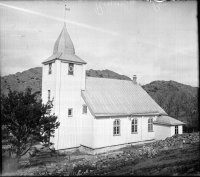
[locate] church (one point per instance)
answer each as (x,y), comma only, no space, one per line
(98,112)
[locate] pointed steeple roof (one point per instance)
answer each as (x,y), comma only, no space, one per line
(64,43)
(64,49)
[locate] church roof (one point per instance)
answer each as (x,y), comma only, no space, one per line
(64,57)
(112,97)
(166,120)
(64,49)
(64,43)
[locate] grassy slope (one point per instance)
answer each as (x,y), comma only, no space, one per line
(180,161)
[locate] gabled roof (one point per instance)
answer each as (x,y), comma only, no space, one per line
(166,120)
(112,97)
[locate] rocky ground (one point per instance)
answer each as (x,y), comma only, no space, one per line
(177,155)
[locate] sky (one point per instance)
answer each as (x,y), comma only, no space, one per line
(155,41)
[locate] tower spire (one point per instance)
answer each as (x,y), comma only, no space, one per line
(64,43)
(65,15)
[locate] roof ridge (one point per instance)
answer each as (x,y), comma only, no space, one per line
(109,78)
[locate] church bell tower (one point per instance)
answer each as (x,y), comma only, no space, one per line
(63,78)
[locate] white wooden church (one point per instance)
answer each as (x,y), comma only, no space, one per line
(98,112)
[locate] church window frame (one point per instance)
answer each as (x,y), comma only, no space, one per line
(49,95)
(134,125)
(150,125)
(70,112)
(84,109)
(50,68)
(71,69)
(176,130)
(116,127)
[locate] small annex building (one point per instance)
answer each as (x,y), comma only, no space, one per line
(166,126)
(98,112)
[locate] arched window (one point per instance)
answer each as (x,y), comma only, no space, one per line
(150,125)
(134,126)
(116,127)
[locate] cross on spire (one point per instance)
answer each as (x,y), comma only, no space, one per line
(65,13)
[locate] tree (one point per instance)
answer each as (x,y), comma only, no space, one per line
(181,106)
(192,113)
(169,104)
(160,100)
(26,120)
(178,107)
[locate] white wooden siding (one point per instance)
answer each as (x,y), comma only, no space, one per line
(103,132)
(67,93)
(162,131)
(87,128)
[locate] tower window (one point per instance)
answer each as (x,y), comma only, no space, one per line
(84,109)
(70,112)
(71,69)
(49,95)
(50,68)
(176,129)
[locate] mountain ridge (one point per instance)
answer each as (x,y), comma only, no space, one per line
(33,78)
(178,100)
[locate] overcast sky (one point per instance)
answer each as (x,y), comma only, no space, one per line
(155,41)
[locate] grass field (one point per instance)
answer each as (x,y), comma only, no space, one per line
(180,161)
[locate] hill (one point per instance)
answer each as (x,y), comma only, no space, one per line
(106,74)
(20,81)
(156,88)
(178,100)
(33,78)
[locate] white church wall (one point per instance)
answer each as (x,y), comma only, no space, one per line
(180,129)
(48,82)
(146,135)
(172,130)
(162,131)
(68,95)
(83,77)
(87,128)
(103,132)
(133,137)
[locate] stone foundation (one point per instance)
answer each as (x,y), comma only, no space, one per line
(107,149)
